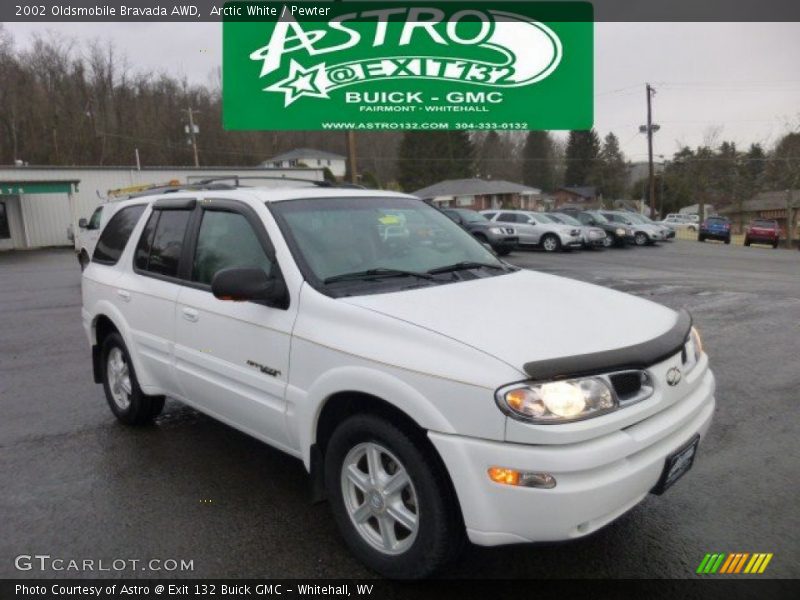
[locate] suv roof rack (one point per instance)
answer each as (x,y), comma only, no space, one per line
(217,183)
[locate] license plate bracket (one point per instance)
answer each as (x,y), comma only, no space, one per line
(676,465)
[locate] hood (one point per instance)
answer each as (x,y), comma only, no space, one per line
(524,317)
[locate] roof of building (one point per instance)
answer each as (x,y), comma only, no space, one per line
(300,153)
(586,191)
(762,201)
(474,187)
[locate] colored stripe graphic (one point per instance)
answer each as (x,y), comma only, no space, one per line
(734,563)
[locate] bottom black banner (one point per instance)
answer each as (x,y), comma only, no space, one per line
(77,589)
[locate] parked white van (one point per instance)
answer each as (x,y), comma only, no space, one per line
(434,392)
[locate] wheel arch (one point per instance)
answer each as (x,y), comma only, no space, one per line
(107,319)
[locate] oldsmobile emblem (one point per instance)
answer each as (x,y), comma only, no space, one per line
(674,376)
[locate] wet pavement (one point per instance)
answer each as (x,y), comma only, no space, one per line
(77,485)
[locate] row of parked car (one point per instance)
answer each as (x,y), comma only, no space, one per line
(567,229)
(759,231)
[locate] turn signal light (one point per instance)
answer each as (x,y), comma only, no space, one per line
(521,478)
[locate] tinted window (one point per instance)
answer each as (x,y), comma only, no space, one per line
(115,235)
(489,215)
(226,240)
(165,250)
(765,224)
(507,218)
(142,255)
(94,220)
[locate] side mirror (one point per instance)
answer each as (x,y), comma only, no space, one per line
(242,284)
(82,223)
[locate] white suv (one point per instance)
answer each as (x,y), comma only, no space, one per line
(537,229)
(433,392)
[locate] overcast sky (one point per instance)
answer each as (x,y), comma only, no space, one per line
(738,80)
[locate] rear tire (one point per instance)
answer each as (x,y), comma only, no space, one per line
(391,499)
(125,398)
(551,243)
(701,238)
(775,244)
(746,242)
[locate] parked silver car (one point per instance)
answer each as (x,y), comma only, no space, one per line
(668,232)
(537,229)
(591,237)
(643,233)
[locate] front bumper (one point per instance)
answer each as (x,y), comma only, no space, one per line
(597,480)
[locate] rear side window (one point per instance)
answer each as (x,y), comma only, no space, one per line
(115,235)
(226,239)
(507,218)
(160,246)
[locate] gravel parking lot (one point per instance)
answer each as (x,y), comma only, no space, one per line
(78,485)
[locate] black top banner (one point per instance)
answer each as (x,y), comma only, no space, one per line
(209,10)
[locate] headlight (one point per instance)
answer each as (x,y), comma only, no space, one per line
(698,343)
(558,401)
(495,230)
(620,231)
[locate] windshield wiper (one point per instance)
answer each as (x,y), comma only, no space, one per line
(379,273)
(463,266)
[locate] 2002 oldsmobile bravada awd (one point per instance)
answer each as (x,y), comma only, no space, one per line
(433,391)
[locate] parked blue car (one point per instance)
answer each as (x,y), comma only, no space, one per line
(715,228)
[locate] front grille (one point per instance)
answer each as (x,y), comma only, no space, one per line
(627,384)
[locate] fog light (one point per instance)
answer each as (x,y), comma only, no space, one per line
(521,478)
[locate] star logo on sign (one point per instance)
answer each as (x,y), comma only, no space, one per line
(301,82)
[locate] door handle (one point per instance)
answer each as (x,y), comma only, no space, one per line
(124,294)
(190,314)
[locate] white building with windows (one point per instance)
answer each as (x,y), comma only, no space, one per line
(41,206)
(311,158)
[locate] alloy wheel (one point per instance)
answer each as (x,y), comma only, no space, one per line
(119,378)
(380,498)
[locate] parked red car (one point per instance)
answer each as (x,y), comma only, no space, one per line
(762,231)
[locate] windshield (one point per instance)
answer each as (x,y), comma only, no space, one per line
(598,217)
(380,244)
(470,216)
(566,219)
(764,224)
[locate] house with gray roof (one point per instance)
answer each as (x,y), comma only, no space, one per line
(308,157)
(481,194)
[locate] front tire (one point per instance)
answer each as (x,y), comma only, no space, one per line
(125,398)
(391,499)
(608,241)
(83,260)
(551,243)
(640,239)
(503,250)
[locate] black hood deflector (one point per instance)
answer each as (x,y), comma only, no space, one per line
(638,356)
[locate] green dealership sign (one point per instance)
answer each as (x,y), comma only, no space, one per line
(408,65)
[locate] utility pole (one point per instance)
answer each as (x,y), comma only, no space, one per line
(650,92)
(351,156)
(192,135)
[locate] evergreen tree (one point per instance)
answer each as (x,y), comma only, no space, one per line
(427,157)
(612,171)
(783,168)
(583,149)
(538,161)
